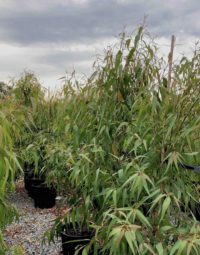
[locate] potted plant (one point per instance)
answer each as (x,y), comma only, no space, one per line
(35,172)
(32,163)
(74,228)
(55,165)
(43,195)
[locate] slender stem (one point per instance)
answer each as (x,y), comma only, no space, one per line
(170,61)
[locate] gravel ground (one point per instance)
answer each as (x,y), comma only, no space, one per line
(28,231)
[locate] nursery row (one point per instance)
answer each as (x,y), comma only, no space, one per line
(112,147)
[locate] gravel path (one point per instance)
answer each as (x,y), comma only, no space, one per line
(28,231)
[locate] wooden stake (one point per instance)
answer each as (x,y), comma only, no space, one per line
(170,61)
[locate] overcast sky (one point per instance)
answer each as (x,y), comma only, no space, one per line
(51,37)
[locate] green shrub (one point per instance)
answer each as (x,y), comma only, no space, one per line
(128,132)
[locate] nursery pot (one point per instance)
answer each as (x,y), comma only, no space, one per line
(28,175)
(73,239)
(44,197)
(29,182)
(196,211)
(28,167)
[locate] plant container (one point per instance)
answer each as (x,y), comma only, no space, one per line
(73,239)
(29,182)
(44,196)
(196,212)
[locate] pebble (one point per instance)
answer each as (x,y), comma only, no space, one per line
(28,231)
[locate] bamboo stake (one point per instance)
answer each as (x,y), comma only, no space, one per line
(170,61)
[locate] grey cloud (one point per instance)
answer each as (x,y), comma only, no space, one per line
(97,19)
(65,24)
(35,30)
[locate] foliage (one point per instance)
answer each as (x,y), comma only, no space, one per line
(128,132)
(4,90)
(12,120)
(27,88)
(117,142)
(8,165)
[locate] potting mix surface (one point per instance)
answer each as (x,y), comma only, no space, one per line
(27,232)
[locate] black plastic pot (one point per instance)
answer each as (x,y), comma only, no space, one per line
(29,182)
(194,209)
(196,212)
(71,239)
(44,197)
(28,173)
(28,167)
(191,209)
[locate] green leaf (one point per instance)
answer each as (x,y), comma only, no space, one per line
(85,157)
(142,218)
(138,36)
(118,59)
(175,247)
(156,200)
(160,249)
(129,238)
(165,206)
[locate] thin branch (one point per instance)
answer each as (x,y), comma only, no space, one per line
(170,61)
